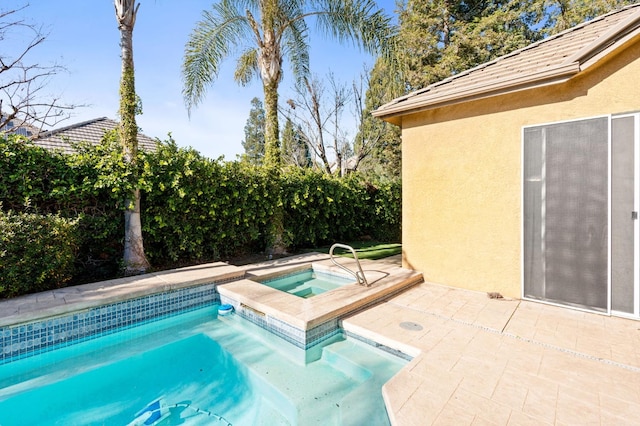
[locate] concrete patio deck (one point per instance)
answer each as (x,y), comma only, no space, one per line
(481,361)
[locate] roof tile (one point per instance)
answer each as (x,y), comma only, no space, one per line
(552,60)
(90,131)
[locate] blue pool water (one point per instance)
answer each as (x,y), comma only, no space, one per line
(204,370)
(307,283)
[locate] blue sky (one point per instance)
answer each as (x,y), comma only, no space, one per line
(84,38)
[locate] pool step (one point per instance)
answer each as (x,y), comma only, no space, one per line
(304,290)
(348,358)
(310,287)
(359,406)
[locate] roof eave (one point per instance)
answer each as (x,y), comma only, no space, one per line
(629,38)
(614,37)
(555,75)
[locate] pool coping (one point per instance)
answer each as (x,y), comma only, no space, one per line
(63,301)
(306,322)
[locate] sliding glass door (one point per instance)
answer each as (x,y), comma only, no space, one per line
(580,203)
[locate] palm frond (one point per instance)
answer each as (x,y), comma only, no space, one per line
(295,39)
(214,38)
(359,21)
(247,67)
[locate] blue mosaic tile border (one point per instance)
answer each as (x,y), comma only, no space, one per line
(24,340)
(296,336)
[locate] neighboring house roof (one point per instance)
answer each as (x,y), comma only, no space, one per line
(553,60)
(90,131)
(348,164)
(18,127)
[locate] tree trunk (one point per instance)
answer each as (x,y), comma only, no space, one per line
(273,160)
(270,65)
(134,259)
(272,155)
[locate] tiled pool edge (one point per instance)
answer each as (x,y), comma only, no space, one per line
(29,339)
(278,275)
(306,339)
(32,338)
(303,339)
(177,292)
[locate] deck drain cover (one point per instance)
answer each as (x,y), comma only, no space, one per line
(411,326)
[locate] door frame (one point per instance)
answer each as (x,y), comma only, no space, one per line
(636,208)
(636,266)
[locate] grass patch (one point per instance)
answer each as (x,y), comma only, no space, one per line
(372,250)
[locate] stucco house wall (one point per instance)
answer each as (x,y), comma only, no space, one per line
(462,172)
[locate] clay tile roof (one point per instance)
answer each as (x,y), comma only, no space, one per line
(88,131)
(549,61)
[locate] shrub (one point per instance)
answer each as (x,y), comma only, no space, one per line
(194,209)
(71,186)
(36,252)
(320,209)
(31,176)
(385,211)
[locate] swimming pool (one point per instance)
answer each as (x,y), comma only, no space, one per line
(306,283)
(204,369)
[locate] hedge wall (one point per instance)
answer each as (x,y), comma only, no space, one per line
(197,209)
(193,208)
(37,252)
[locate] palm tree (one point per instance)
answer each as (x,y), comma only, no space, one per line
(267,31)
(135,261)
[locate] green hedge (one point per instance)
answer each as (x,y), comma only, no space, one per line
(196,209)
(320,209)
(72,186)
(37,252)
(193,208)
(385,211)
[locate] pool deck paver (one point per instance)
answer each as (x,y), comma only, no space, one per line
(504,362)
(477,361)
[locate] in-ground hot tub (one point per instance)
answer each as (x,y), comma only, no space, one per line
(307,321)
(306,283)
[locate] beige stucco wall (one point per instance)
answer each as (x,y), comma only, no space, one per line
(462,173)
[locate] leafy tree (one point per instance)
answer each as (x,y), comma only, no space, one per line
(267,32)
(440,38)
(377,144)
(134,259)
(253,142)
(554,16)
(295,151)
